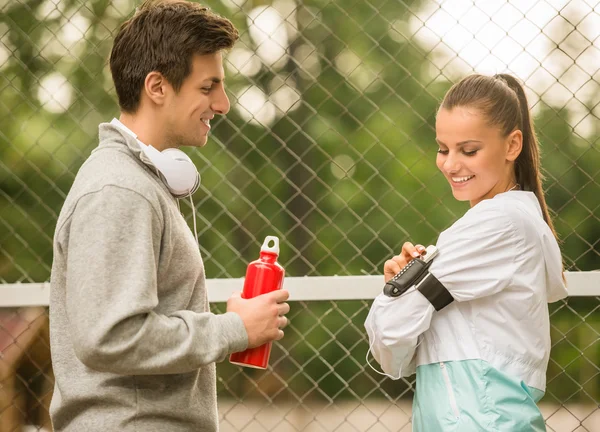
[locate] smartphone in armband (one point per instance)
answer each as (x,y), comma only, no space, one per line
(411,274)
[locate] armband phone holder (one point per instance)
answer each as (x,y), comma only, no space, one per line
(416,273)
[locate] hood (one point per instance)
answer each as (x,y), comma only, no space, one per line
(112,136)
(555,286)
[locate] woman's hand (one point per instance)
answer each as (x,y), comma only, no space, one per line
(393,266)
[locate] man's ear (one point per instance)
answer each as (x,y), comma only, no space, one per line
(156,87)
(515,145)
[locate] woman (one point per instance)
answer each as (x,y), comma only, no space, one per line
(480,361)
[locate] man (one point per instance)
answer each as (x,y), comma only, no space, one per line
(133,342)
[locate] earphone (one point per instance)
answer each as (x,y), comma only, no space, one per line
(179,172)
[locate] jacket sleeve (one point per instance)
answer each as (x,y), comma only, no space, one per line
(393,326)
(113,246)
(478,255)
(476,259)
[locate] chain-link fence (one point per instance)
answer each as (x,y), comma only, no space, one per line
(329,145)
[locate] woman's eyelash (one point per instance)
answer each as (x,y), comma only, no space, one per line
(466,153)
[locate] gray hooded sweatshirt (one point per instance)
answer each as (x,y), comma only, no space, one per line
(133,342)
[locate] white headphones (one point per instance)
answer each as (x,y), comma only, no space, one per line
(179,172)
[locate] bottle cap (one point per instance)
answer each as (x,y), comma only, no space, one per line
(271,244)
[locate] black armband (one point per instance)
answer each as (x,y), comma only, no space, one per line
(416,273)
(435,292)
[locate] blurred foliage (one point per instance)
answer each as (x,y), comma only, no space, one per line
(289,176)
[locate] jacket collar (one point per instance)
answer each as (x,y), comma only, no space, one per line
(116,135)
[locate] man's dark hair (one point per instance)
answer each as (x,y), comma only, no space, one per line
(164,36)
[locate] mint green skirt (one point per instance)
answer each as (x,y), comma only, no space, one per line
(472,396)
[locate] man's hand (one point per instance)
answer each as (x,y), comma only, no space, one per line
(393,266)
(263,316)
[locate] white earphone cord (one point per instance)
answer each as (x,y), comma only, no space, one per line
(410,291)
(194,218)
(375,370)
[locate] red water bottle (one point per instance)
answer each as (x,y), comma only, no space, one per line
(262,276)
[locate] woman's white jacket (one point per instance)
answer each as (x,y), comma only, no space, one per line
(502,265)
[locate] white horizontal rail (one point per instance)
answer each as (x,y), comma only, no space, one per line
(310,288)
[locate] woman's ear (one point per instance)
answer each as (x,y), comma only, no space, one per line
(515,145)
(155,87)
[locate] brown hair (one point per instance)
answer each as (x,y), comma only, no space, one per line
(502,100)
(163,36)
